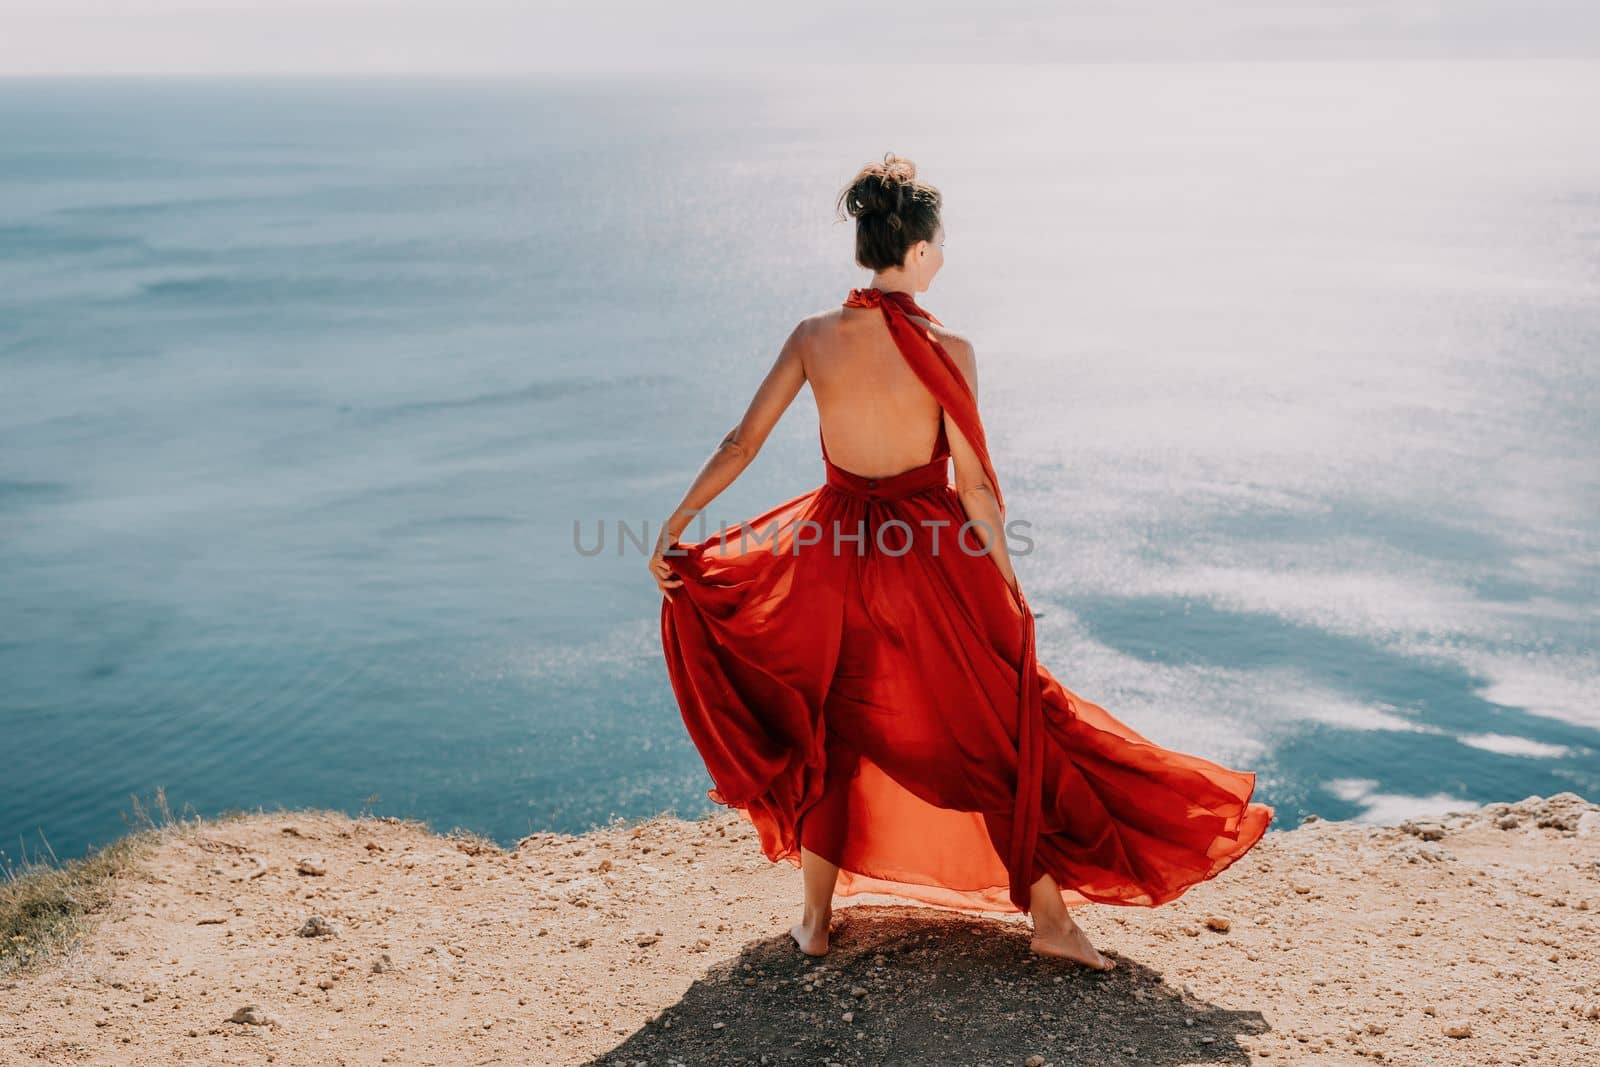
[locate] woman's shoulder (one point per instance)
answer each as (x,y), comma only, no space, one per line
(958,344)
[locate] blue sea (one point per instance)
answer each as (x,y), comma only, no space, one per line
(1294,369)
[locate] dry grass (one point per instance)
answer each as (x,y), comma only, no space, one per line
(472,843)
(46,906)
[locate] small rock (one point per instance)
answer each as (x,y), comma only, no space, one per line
(316,926)
(1508,821)
(1418,852)
(849,1016)
(314,866)
(382,963)
(325,983)
(1428,831)
(1588,824)
(1458,1028)
(250,1015)
(1035,1060)
(1218,923)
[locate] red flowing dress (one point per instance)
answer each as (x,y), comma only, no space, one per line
(860,679)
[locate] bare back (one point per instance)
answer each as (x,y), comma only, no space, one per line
(877,417)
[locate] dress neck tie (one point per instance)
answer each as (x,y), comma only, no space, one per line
(934,367)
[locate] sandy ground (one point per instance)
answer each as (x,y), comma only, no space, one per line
(1466,939)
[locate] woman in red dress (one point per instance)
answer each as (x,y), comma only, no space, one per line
(856,666)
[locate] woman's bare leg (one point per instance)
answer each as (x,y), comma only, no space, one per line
(820,877)
(1054,932)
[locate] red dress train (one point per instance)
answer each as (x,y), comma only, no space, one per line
(860,679)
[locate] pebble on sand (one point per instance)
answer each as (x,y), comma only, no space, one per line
(316,926)
(250,1015)
(1428,831)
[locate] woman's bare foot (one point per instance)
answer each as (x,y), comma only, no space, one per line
(1069,942)
(816,915)
(812,935)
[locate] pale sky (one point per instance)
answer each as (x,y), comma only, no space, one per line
(528,36)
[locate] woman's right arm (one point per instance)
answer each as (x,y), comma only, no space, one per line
(735,451)
(977,496)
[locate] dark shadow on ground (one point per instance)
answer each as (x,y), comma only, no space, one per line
(938,987)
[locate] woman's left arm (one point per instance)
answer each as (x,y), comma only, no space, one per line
(735,451)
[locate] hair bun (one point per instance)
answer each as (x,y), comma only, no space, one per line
(880,189)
